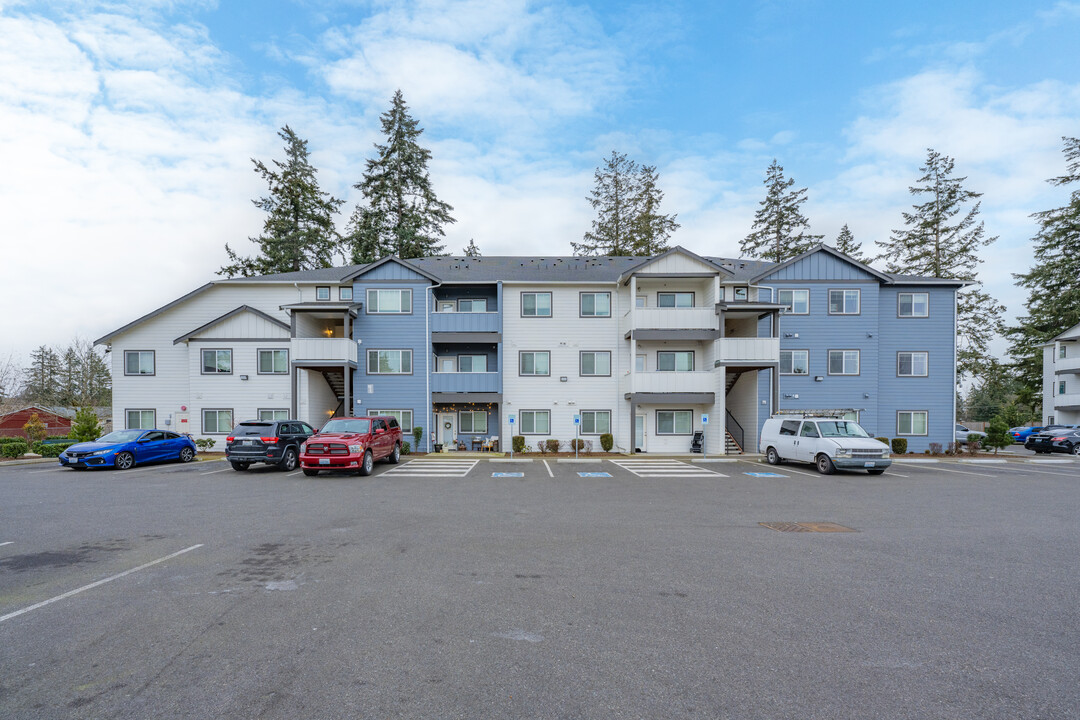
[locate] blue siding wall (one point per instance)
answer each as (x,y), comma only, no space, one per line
(393,271)
(470,292)
(820,266)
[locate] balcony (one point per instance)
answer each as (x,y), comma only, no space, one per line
(653,318)
(1068,401)
(323,350)
(1067,365)
(701,381)
(738,350)
(465,382)
(464,322)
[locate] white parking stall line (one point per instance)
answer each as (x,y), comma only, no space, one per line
(93,585)
(213,472)
(50,470)
(550,474)
(784,468)
(9,542)
(937,468)
(433,468)
(664,468)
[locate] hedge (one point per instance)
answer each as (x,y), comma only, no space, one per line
(519,443)
(13,449)
(607,441)
(4,440)
(899,445)
(53,449)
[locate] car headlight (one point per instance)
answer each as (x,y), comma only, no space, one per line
(356,448)
(303,447)
(885,455)
(843,452)
(101,452)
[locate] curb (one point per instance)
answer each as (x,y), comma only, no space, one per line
(986,462)
(711,460)
(508,460)
(917,462)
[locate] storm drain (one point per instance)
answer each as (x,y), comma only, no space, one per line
(822,527)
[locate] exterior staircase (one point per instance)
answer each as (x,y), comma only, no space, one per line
(731,447)
(336,380)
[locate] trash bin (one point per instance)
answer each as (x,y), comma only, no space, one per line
(438,447)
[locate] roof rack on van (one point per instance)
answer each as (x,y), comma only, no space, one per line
(834,412)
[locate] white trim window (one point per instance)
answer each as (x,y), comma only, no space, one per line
(794,362)
(404,418)
(844,302)
(322,293)
(595,304)
(141,362)
(843,362)
(535,422)
(913,305)
(273,362)
(216,421)
(594,363)
(675,361)
(1062,352)
(472,305)
(595,422)
(675,299)
(345,292)
(912,364)
(534,362)
(140,419)
(674,422)
(536,304)
(389,362)
(1061,387)
(797,300)
(472,363)
(473,421)
(389,301)
(217,362)
(272,414)
(912,422)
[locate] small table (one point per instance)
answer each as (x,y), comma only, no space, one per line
(477,444)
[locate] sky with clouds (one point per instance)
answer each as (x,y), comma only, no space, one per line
(127,129)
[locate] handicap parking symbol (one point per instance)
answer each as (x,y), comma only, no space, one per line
(765,474)
(594,474)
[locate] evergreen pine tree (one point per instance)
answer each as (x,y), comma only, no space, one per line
(613,197)
(780,229)
(650,230)
(942,239)
(86,426)
(846,243)
(471,250)
(41,378)
(299,232)
(400,213)
(1053,284)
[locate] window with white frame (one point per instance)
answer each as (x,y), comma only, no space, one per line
(404,418)
(797,300)
(1061,387)
(473,421)
(472,363)
(844,302)
(675,299)
(595,304)
(911,422)
(594,362)
(535,304)
(595,422)
(216,422)
(794,362)
(140,419)
(534,362)
(216,362)
(271,414)
(843,362)
(141,362)
(345,292)
(674,422)
(913,304)
(535,422)
(1062,353)
(675,361)
(641,301)
(389,362)
(639,363)
(273,362)
(389,301)
(912,364)
(741,294)
(472,305)
(322,293)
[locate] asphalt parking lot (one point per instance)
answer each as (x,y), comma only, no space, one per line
(474,589)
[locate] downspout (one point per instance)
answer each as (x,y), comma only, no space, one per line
(428,352)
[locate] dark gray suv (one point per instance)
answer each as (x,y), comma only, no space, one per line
(274,442)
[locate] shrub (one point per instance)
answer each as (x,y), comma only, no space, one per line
(86,426)
(552,445)
(4,440)
(607,441)
(952,449)
(882,440)
(406,448)
(35,429)
(997,434)
(205,443)
(519,443)
(45,449)
(899,445)
(935,448)
(13,449)
(973,447)
(577,444)
(418,435)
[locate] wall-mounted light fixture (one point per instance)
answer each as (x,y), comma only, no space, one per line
(562,378)
(243,377)
(819,378)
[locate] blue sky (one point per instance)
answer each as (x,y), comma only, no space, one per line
(128,128)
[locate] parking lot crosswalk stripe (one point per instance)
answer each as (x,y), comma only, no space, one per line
(433,468)
(664,468)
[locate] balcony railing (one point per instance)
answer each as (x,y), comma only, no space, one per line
(464,322)
(653,318)
(323,350)
(674,382)
(750,350)
(1068,400)
(1070,364)
(465,382)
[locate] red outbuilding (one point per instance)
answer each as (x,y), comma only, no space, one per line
(56,421)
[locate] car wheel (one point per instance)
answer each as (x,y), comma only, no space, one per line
(876,471)
(124,461)
(240,466)
(772,457)
(395,457)
(825,465)
(187,455)
(310,472)
(288,460)
(1076,449)
(367,464)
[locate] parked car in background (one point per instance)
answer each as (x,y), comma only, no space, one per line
(1055,438)
(827,442)
(1020,434)
(274,442)
(123,449)
(963,434)
(349,443)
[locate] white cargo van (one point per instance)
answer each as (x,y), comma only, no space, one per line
(827,442)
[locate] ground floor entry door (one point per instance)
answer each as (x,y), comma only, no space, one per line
(448,430)
(639,433)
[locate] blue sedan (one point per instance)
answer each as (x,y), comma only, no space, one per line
(122,449)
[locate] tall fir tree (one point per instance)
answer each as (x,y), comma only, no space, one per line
(780,230)
(846,243)
(400,213)
(299,231)
(942,238)
(41,380)
(471,250)
(650,229)
(1053,284)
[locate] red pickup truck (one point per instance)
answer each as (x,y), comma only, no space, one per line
(348,443)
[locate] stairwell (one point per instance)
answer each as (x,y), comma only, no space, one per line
(731,445)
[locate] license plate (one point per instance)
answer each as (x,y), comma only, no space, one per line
(324,461)
(868,464)
(248,442)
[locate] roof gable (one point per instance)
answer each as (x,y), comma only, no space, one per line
(673,262)
(822,262)
(390,267)
(244,322)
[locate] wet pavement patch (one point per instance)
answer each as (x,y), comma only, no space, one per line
(85,553)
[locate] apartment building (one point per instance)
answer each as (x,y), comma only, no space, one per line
(650,350)
(1061,379)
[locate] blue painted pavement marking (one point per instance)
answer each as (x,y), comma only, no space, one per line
(766,474)
(520,474)
(594,474)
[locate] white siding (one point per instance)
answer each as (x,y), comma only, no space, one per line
(245,325)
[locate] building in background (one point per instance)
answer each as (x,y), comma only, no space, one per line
(1061,379)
